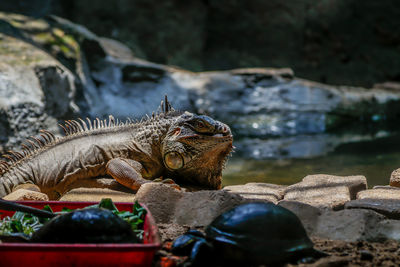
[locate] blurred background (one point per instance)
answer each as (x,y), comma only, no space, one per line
(307,86)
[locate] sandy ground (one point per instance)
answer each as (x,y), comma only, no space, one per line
(360,253)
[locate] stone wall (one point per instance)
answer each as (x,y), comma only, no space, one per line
(330,41)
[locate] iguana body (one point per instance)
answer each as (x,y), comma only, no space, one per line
(183,146)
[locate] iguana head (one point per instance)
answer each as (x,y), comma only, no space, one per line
(195,150)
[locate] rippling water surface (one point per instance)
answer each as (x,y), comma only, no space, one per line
(375,159)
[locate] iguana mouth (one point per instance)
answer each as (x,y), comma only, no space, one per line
(222,135)
(218,136)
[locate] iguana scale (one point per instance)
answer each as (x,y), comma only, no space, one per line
(186,147)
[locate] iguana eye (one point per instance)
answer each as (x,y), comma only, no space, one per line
(200,125)
(173,160)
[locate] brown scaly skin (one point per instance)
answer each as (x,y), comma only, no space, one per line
(185,147)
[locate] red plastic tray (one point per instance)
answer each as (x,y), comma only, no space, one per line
(43,254)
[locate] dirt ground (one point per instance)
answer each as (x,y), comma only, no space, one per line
(342,253)
(360,253)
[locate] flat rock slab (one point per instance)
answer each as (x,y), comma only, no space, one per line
(194,209)
(258,191)
(326,191)
(307,214)
(388,207)
(380,192)
(169,231)
(388,229)
(395,178)
(24,194)
(348,225)
(198,209)
(96,194)
(161,200)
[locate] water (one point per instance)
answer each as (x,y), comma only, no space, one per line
(375,159)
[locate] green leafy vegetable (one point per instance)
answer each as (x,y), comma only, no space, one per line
(20,222)
(134,218)
(106,203)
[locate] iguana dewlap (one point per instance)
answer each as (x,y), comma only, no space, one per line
(186,147)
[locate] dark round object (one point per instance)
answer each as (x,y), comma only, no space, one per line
(260,233)
(92,225)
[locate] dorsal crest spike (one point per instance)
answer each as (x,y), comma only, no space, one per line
(97,123)
(84,125)
(45,138)
(65,130)
(9,157)
(33,144)
(37,140)
(111,121)
(75,126)
(16,154)
(70,127)
(78,125)
(166,105)
(26,148)
(90,123)
(49,135)
(4,163)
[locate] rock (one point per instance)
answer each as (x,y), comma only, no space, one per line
(307,214)
(37,90)
(204,28)
(28,186)
(116,49)
(380,192)
(348,225)
(326,191)
(24,194)
(170,232)
(388,229)
(388,187)
(98,76)
(258,191)
(388,207)
(200,208)
(332,261)
(355,183)
(263,103)
(395,178)
(193,209)
(161,200)
(382,199)
(96,194)
(366,255)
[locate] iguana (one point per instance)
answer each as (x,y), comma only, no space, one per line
(183,146)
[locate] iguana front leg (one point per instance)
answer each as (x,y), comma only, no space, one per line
(127,172)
